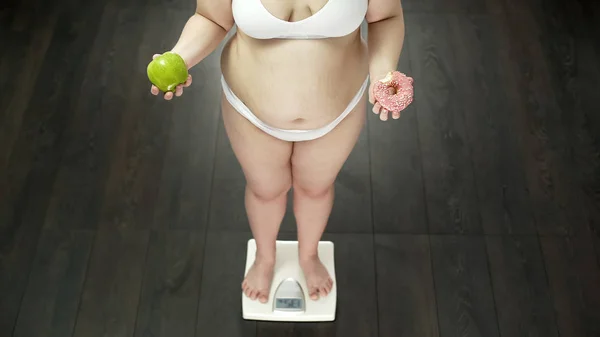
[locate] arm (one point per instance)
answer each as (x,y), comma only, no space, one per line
(386,36)
(204,30)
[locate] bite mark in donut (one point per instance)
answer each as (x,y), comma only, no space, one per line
(402,95)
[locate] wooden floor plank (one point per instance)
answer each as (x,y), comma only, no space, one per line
(463,287)
(79,187)
(21,63)
(574,276)
(51,300)
(139,151)
(186,180)
(405,286)
(545,144)
(28,178)
(489,121)
(111,293)
(171,285)
(396,168)
(447,164)
(351,211)
(220,306)
(521,290)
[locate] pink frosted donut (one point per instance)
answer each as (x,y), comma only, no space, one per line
(403,88)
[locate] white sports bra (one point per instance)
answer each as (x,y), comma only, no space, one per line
(337,18)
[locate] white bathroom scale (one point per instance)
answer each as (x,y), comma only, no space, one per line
(289,300)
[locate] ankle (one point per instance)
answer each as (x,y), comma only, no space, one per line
(266,258)
(308,257)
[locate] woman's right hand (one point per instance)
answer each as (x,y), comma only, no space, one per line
(178,91)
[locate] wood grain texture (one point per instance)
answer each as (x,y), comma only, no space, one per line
(138,153)
(111,293)
(447,164)
(405,286)
(90,135)
(220,306)
(49,306)
(284,329)
(186,179)
(30,172)
(22,63)
(351,211)
(489,120)
(545,145)
(463,287)
(356,281)
(396,168)
(521,290)
(574,276)
(171,285)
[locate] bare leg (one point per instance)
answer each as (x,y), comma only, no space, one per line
(315,166)
(266,165)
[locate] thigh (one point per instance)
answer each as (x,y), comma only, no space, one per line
(316,163)
(265,160)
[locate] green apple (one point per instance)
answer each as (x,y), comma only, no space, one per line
(167,71)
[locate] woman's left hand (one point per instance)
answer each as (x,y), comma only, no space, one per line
(404,84)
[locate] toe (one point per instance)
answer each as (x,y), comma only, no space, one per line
(263,298)
(323,291)
(313,294)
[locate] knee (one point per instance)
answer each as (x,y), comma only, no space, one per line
(269,191)
(315,190)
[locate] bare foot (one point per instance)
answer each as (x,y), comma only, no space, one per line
(257,283)
(317,277)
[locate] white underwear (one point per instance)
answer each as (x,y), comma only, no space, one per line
(284,134)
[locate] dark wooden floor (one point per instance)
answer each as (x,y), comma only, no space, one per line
(476,214)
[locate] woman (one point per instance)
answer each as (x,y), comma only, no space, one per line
(294,84)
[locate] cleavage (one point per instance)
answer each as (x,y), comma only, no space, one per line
(293,10)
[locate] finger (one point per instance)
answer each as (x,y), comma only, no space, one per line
(155,56)
(169,96)
(154,90)
(383,115)
(188,82)
(179,90)
(376,108)
(396,114)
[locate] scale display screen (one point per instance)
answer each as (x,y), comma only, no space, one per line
(288,303)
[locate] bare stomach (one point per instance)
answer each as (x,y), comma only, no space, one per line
(295,84)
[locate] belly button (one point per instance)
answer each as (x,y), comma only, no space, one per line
(298,120)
